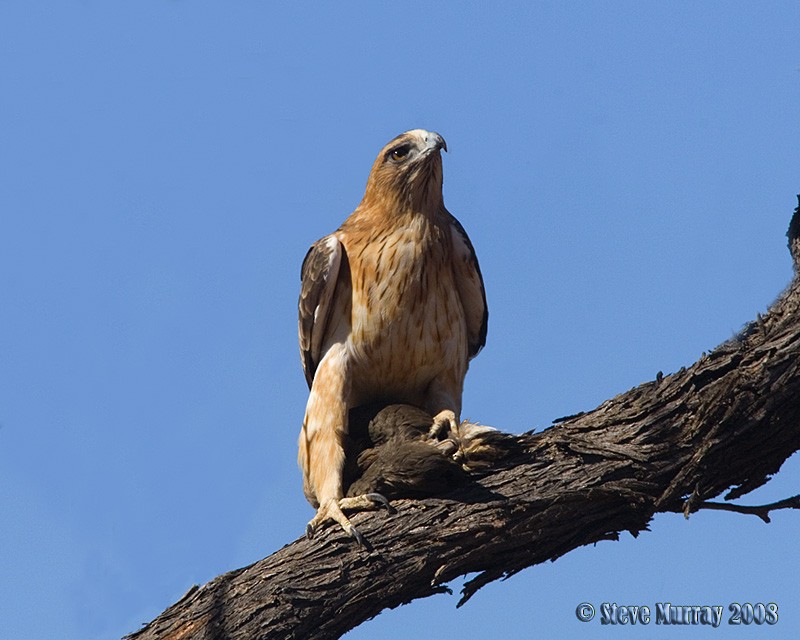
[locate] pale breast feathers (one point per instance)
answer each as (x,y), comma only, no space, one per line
(319,277)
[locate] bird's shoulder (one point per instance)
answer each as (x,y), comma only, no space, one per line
(319,275)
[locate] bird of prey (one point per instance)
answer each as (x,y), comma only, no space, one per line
(392,309)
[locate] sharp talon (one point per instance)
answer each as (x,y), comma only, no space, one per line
(435,431)
(356,535)
(447,447)
(377,498)
(333,509)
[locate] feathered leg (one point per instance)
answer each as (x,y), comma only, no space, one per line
(321,448)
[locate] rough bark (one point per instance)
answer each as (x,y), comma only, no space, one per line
(726,423)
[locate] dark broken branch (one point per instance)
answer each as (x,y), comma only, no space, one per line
(725,424)
(762,510)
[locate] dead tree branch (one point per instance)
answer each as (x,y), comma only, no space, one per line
(762,510)
(726,423)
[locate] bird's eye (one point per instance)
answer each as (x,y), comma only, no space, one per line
(400,153)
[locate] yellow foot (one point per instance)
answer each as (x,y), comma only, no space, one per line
(444,423)
(333,509)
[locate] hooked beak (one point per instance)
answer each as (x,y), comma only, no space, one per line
(434,142)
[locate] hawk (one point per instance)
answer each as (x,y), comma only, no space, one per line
(392,309)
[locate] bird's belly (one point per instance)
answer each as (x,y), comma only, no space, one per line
(400,344)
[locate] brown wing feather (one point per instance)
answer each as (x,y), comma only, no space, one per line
(318,276)
(469,282)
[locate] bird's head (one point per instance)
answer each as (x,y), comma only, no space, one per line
(408,171)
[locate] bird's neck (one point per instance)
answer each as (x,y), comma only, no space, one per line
(385,212)
(395,204)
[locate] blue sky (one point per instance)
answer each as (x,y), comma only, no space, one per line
(626,172)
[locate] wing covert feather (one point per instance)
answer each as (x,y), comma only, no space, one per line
(469,282)
(318,277)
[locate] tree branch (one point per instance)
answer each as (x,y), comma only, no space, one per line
(762,511)
(726,423)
